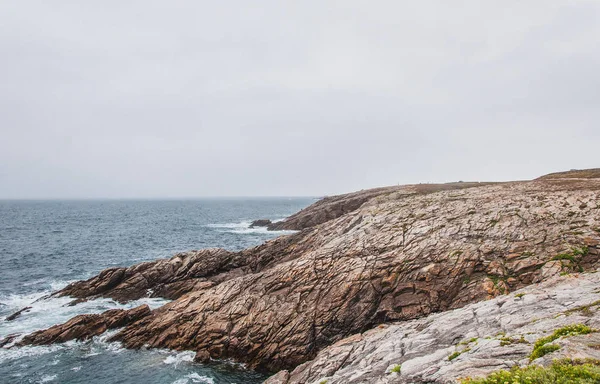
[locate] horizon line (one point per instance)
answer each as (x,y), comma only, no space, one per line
(163,198)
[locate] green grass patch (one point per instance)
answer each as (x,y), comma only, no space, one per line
(584,309)
(457,353)
(396,368)
(540,348)
(467,342)
(543,350)
(565,256)
(508,341)
(564,371)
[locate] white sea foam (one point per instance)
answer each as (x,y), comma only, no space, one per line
(243,228)
(17,353)
(179,357)
(47,378)
(194,378)
(46,312)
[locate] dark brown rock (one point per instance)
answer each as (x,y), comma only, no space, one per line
(202,356)
(260,223)
(17,314)
(8,339)
(84,327)
(401,254)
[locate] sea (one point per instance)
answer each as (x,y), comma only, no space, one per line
(44,245)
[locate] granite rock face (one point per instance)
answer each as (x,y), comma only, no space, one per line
(328,208)
(174,277)
(484,337)
(399,254)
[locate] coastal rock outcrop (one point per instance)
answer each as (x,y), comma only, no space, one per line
(17,314)
(261,223)
(472,341)
(401,254)
(182,273)
(84,327)
(328,208)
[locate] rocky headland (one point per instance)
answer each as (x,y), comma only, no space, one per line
(396,276)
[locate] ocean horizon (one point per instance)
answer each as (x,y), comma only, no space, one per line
(46,244)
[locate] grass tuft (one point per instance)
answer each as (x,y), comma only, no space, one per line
(396,368)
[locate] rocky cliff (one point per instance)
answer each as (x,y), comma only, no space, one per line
(361,260)
(472,341)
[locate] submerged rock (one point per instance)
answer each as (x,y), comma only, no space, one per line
(17,314)
(6,341)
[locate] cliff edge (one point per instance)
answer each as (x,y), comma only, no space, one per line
(361,260)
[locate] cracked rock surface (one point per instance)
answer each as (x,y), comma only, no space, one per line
(486,336)
(401,254)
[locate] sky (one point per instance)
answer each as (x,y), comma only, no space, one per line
(193,98)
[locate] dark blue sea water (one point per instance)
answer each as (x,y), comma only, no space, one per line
(46,244)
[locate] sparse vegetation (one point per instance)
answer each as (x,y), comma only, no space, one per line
(586,310)
(571,259)
(543,350)
(467,342)
(542,346)
(454,356)
(564,371)
(519,295)
(396,368)
(508,341)
(457,353)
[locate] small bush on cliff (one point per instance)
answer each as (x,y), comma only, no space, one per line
(560,372)
(540,348)
(543,350)
(396,368)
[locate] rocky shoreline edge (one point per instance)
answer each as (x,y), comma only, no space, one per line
(377,286)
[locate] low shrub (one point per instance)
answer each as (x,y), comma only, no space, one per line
(560,372)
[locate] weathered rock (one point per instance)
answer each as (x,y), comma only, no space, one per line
(261,223)
(395,258)
(328,208)
(592,173)
(202,356)
(174,277)
(400,255)
(9,339)
(332,207)
(84,327)
(17,314)
(486,336)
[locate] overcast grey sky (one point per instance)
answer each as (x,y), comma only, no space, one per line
(256,98)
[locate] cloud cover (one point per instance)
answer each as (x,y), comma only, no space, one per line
(237,98)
